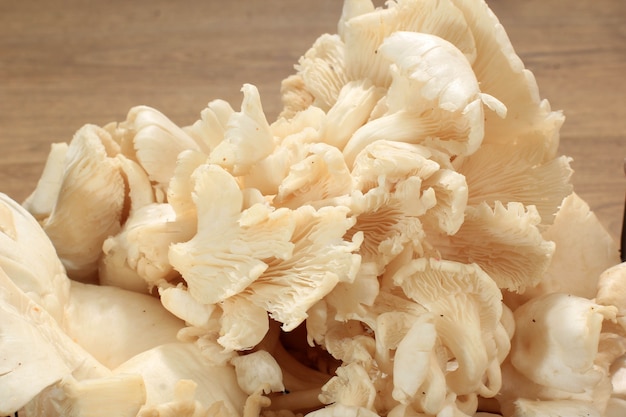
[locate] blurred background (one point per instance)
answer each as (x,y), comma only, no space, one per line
(65,63)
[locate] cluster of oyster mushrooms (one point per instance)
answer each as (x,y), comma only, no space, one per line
(403,240)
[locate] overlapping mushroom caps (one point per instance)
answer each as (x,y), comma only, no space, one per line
(385,247)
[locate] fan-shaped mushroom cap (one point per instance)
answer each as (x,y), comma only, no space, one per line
(505,241)
(556,341)
(247,138)
(33,359)
(501,74)
(136,258)
(157,141)
(209,130)
(89,204)
(433,98)
(322,71)
(354,105)
(320,176)
(29,259)
(363,33)
(40,202)
(351,386)
(503,172)
(576,265)
(466,305)
(227,252)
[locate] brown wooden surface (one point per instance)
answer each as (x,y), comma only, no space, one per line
(67,63)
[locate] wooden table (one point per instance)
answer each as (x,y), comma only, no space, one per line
(67,63)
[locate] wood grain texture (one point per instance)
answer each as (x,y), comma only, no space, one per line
(65,63)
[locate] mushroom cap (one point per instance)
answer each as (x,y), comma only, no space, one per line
(29,259)
(505,241)
(247,138)
(89,205)
(556,341)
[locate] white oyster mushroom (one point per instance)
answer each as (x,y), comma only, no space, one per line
(499,172)
(501,73)
(319,177)
(247,138)
(352,109)
(363,29)
(179,302)
(388,162)
(321,72)
(612,290)
(180,190)
(433,98)
(450,192)
(167,365)
(505,241)
(113,324)
(73,397)
(399,242)
(321,259)
(228,250)
(40,202)
(137,258)
(209,130)
(35,352)
(389,220)
(466,305)
(29,259)
(432,67)
(412,358)
(139,191)
(157,141)
(577,266)
(295,135)
(349,299)
(350,387)
(258,371)
(556,341)
(242,324)
(89,205)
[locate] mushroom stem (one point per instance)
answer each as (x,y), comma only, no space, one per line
(297,400)
(296,375)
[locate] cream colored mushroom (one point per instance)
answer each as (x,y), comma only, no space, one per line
(466,305)
(40,202)
(29,259)
(501,74)
(499,172)
(364,30)
(89,205)
(322,71)
(444,108)
(556,341)
(210,129)
(612,290)
(32,359)
(247,138)
(294,137)
(576,266)
(157,141)
(319,177)
(504,241)
(137,258)
(354,105)
(321,259)
(227,252)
